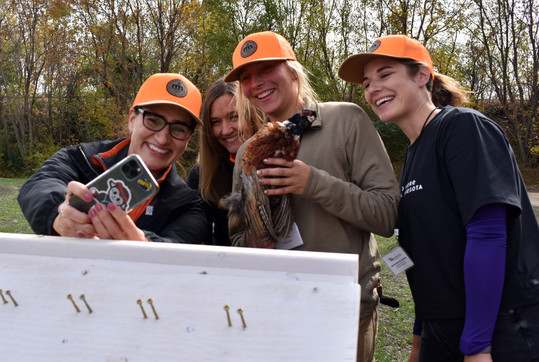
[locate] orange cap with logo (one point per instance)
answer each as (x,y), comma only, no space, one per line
(257,47)
(391,46)
(170,88)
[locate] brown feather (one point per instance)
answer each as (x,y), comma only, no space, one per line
(266,218)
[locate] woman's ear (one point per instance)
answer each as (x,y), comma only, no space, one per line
(292,71)
(131,121)
(423,75)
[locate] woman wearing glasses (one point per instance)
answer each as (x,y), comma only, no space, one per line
(163,118)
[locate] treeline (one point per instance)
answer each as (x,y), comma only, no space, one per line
(69,69)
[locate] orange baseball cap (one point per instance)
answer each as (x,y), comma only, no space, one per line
(170,88)
(391,46)
(257,47)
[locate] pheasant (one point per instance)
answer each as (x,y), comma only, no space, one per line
(266,218)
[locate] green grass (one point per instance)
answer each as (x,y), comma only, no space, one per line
(11,218)
(394,340)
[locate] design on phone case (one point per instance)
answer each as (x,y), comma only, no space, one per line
(117,193)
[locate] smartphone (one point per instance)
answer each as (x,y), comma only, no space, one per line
(127,184)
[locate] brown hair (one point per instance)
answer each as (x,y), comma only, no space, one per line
(215,182)
(444,90)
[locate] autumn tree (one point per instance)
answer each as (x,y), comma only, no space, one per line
(28,44)
(69,69)
(507,36)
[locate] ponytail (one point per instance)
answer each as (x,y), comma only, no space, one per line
(444,90)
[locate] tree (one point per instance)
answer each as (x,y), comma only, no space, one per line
(508,38)
(69,69)
(22,60)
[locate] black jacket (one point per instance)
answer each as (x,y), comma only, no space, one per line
(176,215)
(217,217)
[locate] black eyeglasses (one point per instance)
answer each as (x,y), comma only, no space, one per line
(156,123)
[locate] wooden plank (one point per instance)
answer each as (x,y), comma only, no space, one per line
(297,306)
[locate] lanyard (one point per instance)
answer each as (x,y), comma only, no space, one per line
(407,165)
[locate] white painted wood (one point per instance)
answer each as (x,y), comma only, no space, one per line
(297,306)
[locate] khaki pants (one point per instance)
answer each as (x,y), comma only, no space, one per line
(368,327)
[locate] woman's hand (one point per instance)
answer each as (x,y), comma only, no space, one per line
(70,221)
(111,222)
(289,177)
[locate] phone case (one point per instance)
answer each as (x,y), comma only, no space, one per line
(127,184)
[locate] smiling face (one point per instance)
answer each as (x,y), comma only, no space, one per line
(392,93)
(272,87)
(158,149)
(224,123)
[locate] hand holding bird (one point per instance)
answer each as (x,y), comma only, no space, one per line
(267,218)
(286,177)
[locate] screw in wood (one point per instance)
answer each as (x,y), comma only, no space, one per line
(70,297)
(13,299)
(240,312)
(150,302)
(2,295)
(139,302)
(227,308)
(86,303)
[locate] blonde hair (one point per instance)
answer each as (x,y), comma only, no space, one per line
(305,92)
(214,180)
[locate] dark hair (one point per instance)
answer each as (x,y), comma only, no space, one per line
(444,90)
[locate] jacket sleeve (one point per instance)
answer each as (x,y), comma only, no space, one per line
(368,198)
(40,196)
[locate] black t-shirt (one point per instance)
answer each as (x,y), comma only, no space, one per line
(460,162)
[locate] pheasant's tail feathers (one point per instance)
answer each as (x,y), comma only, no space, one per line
(257,209)
(283,219)
(265,216)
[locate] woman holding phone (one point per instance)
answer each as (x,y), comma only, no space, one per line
(161,121)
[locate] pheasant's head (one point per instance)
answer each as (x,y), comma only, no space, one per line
(300,122)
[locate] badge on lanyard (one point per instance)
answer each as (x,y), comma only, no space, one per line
(293,239)
(398,261)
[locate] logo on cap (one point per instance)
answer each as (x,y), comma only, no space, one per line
(374,46)
(248,49)
(177,88)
